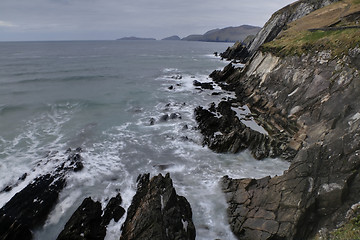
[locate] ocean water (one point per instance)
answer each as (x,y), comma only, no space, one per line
(101,96)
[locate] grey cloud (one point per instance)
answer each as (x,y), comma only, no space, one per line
(109,19)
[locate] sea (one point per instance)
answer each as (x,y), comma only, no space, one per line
(110,99)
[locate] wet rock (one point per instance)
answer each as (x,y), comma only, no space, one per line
(228,134)
(171,87)
(206,85)
(113,210)
(157,212)
(85,223)
(12,230)
(152,121)
(175,116)
(89,221)
(30,206)
(164,118)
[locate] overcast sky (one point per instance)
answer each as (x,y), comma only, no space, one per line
(111,19)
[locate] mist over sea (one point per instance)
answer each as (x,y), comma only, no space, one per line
(103,96)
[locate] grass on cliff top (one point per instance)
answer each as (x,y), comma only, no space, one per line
(351,230)
(297,39)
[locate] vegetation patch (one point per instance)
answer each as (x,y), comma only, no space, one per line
(338,31)
(351,230)
(338,41)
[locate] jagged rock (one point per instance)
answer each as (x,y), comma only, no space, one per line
(113,210)
(89,221)
(157,212)
(30,207)
(85,223)
(228,134)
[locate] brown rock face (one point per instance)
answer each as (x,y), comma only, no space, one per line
(157,212)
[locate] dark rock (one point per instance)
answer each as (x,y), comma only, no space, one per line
(85,223)
(152,121)
(228,134)
(12,230)
(89,221)
(157,212)
(31,205)
(175,116)
(207,85)
(171,87)
(113,210)
(164,118)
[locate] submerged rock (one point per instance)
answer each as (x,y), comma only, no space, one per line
(157,212)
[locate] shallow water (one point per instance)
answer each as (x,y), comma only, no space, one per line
(101,96)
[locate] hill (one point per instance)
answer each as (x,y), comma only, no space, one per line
(172,38)
(229,34)
(335,27)
(137,38)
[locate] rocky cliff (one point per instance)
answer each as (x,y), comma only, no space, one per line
(274,26)
(309,98)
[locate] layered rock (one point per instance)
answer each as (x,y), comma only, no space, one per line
(318,92)
(157,212)
(30,207)
(273,27)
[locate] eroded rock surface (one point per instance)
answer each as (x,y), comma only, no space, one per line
(320,94)
(157,212)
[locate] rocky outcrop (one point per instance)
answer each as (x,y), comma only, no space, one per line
(89,221)
(273,27)
(30,207)
(319,93)
(157,212)
(224,132)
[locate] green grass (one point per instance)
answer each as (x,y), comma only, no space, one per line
(356,2)
(339,42)
(350,230)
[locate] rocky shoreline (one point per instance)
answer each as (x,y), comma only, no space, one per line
(303,109)
(308,105)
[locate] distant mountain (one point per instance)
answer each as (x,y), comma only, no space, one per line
(136,38)
(175,37)
(229,34)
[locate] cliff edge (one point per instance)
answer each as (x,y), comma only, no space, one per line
(302,86)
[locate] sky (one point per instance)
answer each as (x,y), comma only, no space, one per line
(31,20)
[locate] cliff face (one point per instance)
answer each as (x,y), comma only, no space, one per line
(274,26)
(322,95)
(311,101)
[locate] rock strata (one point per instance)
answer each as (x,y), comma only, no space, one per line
(157,212)
(224,132)
(311,100)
